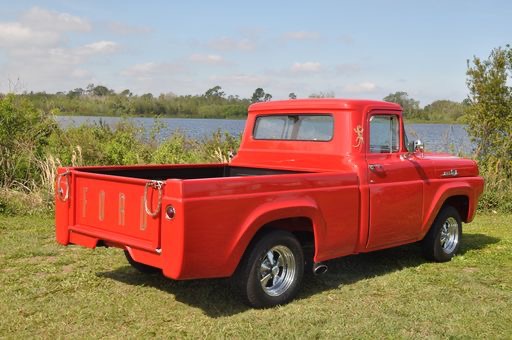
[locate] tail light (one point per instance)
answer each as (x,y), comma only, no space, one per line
(170,212)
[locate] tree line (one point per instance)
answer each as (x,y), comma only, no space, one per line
(99,100)
(438,111)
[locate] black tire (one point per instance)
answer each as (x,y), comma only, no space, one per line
(271,271)
(443,239)
(141,267)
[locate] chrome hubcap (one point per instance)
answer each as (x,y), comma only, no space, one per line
(277,270)
(449,235)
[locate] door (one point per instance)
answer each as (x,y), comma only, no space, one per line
(396,183)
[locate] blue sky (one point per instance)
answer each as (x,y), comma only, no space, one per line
(359,49)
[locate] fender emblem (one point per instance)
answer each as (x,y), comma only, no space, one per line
(451,173)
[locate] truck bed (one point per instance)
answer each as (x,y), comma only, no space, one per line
(164,172)
(214,204)
(106,202)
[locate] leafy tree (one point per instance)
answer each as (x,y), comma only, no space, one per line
(321,94)
(489,113)
(126,93)
(76,93)
(443,110)
(101,91)
(258,95)
(89,89)
(214,92)
(410,106)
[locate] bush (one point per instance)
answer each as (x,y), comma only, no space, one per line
(177,149)
(218,146)
(489,118)
(24,133)
(497,195)
(16,202)
(126,146)
(99,144)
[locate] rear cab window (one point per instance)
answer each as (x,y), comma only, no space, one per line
(299,127)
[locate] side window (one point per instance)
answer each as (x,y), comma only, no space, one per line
(384,134)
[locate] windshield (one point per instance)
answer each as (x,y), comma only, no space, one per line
(302,127)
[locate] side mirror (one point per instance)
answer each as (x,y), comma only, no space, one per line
(416,147)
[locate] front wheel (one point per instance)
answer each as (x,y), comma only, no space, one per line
(271,271)
(443,239)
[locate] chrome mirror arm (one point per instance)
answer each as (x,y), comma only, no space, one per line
(419,148)
(415,148)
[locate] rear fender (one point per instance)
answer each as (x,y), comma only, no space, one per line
(270,212)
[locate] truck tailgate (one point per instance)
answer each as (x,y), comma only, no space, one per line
(112,209)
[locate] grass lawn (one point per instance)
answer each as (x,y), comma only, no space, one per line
(52,291)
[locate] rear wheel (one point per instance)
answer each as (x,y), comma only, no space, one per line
(271,271)
(443,239)
(141,267)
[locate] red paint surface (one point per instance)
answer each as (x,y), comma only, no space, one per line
(350,208)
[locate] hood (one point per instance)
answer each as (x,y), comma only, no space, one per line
(446,165)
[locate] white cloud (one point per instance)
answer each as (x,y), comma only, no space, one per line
(150,70)
(207,59)
(43,19)
(40,28)
(14,34)
(301,35)
(310,66)
(140,70)
(35,49)
(228,44)
(54,69)
(102,46)
(364,87)
(125,29)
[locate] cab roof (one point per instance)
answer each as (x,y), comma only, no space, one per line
(323,104)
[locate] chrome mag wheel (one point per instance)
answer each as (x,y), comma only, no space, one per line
(444,237)
(277,270)
(271,271)
(449,236)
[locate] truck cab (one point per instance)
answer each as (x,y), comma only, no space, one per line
(367,138)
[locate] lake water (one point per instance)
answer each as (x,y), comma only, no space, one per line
(450,138)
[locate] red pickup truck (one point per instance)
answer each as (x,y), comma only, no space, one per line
(335,176)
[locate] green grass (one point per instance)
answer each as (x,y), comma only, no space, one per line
(52,291)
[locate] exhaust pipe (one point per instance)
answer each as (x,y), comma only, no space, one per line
(319,268)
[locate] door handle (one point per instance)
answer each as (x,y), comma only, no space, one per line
(375,167)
